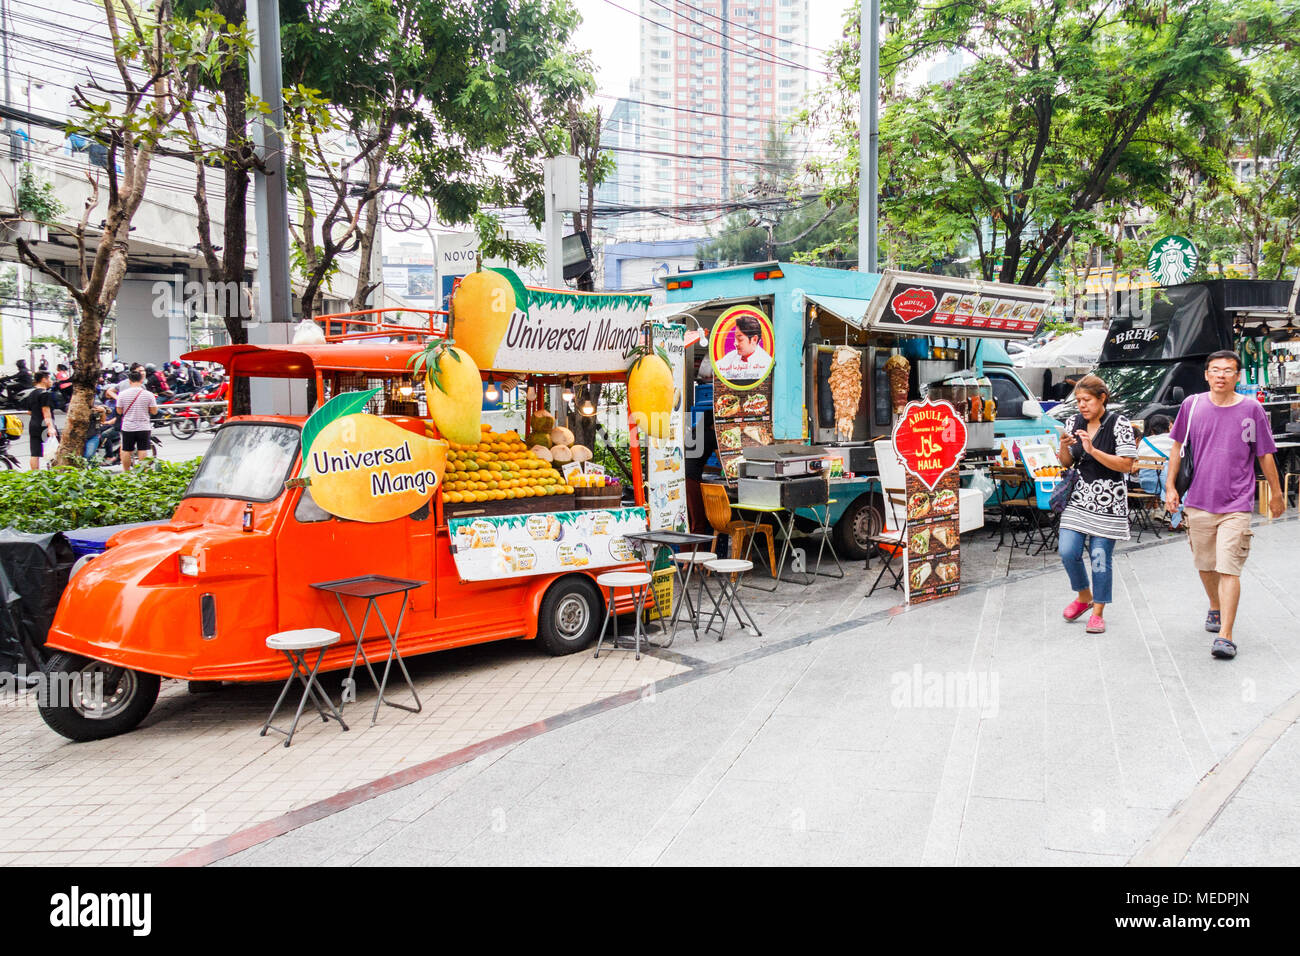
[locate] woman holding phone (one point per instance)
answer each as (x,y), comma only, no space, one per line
(1102,446)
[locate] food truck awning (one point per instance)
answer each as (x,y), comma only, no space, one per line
(850,311)
(301,361)
(917,303)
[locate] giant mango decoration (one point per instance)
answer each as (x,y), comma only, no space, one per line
(481,308)
(453,391)
(650,394)
(364,468)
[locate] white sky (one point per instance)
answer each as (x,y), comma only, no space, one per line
(617,63)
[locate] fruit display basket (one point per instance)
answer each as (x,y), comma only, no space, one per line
(517,506)
(584,498)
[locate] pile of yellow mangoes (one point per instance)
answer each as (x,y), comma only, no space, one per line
(499,468)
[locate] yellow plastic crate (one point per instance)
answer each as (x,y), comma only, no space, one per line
(662,585)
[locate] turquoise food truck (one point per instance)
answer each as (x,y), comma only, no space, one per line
(948,328)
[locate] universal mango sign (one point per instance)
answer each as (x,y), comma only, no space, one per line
(507,327)
(364,468)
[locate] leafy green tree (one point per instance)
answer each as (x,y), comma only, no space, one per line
(1061,111)
(156,56)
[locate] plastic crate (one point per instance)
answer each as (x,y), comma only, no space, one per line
(662,585)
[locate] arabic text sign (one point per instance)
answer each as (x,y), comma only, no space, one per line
(930,438)
(491,547)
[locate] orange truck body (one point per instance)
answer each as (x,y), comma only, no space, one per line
(132,606)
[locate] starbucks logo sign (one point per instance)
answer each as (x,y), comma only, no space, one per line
(1172,260)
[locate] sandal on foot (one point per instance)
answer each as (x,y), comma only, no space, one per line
(1213,622)
(1074,610)
(1223,649)
(1096,624)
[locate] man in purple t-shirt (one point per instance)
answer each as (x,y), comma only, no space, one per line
(1226,433)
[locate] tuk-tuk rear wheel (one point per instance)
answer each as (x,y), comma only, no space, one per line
(864,518)
(72,707)
(570,615)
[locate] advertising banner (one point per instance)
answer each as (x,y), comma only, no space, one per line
(666,483)
(740,349)
(941,305)
(501,546)
(930,438)
(539,330)
(364,468)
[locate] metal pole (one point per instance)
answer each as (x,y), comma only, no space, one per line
(868,144)
(275,303)
(554,227)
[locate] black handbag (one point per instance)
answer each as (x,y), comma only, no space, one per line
(1060,496)
(1183,480)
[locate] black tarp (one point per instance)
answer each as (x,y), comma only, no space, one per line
(33,573)
(1178,322)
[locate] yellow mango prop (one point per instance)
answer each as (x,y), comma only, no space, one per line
(366,469)
(481,308)
(650,396)
(453,390)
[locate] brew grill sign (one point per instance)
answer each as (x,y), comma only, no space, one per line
(1172,260)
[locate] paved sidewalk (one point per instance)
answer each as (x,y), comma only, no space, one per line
(976,730)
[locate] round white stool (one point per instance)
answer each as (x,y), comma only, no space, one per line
(295,645)
(728,571)
(639,583)
(689,560)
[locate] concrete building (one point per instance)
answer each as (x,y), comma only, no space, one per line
(718,76)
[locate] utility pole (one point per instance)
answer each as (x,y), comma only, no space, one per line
(271,195)
(868,135)
(724,79)
(560,175)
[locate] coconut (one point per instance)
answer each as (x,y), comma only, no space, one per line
(561,454)
(581,453)
(561,436)
(542,421)
(542,452)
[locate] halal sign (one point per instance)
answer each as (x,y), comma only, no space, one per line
(1172,260)
(913,304)
(930,438)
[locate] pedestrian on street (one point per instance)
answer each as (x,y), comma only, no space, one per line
(40,403)
(1226,433)
(1101,445)
(136,405)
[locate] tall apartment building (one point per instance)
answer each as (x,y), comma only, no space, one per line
(716,77)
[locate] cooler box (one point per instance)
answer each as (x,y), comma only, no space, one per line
(95,540)
(1043,488)
(970,509)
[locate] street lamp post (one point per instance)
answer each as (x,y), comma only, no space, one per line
(868,135)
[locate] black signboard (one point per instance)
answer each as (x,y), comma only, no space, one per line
(937,305)
(1181,321)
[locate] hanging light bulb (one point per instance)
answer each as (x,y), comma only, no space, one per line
(587,407)
(492,394)
(567,394)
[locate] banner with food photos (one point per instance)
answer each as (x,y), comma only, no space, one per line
(666,482)
(491,547)
(933,539)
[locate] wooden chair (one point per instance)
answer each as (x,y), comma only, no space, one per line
(1141,503)
(717,508)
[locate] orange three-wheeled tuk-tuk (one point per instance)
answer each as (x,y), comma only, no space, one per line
(195,599)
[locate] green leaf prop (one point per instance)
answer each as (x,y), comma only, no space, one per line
(346,404)
(517,286)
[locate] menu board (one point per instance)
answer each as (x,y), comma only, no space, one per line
(490,547)
(666,482)
(928,305)
(933,539)
(742,420)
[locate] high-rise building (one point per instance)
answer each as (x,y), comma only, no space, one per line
(717,77)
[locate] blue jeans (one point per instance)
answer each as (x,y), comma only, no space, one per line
(1099,550)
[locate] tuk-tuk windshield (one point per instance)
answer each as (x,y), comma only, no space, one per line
(247,460)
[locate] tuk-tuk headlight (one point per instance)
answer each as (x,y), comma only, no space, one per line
(190,565)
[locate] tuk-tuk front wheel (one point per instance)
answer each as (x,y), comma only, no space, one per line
(570,616)
(85,699)
(862,520)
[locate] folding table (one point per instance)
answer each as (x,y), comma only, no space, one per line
(369,588)
(649,543)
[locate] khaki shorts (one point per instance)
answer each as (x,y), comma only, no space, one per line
(1219,542)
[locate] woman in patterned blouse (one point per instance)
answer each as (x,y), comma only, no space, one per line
(1101,444)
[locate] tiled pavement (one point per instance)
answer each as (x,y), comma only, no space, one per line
(797,746)
(824,749)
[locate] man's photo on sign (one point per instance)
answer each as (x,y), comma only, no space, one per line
(748,358)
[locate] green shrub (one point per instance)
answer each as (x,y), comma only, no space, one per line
(60,499)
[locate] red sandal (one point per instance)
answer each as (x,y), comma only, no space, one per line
(1074,610)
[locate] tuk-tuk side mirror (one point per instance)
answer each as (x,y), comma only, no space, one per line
(1177,394)
(1031,409)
